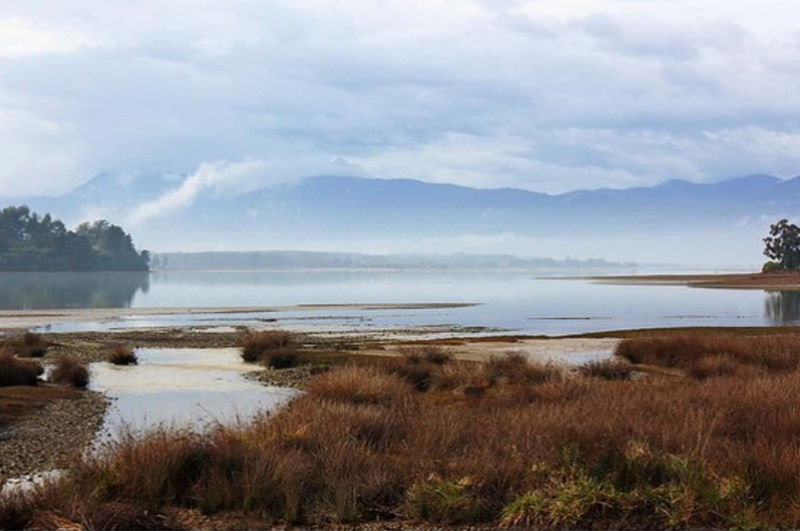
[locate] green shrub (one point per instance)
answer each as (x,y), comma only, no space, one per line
(771,267)
(440,501)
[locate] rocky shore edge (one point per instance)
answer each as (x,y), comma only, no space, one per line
(49,438)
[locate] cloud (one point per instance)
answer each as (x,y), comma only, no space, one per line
(208,176)
(540,94)
(221,177)
(20,38)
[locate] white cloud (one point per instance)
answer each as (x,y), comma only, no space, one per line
(212,175)
(542,94)
(20,38)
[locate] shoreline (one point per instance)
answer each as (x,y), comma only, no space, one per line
(58,424)
(16,320)
(765,281)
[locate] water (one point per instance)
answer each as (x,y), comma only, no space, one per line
(182,387)
(519,302)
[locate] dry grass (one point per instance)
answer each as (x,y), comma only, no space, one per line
(29,345)
(70,371)
(607,370)
(532,449)
(708,355)
(434,354)
(14,371)
(356,385)
(123,355)
(274,348)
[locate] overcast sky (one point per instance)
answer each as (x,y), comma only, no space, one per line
(546,95)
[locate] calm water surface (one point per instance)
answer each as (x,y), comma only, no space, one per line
(182,387)
(512,301)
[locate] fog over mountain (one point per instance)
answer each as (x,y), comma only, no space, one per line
(718,224)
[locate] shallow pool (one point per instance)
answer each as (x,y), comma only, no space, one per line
(193,388)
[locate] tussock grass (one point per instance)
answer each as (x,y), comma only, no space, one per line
(534,448)
(357,385)
(29,345)
(607,370)
(707,355)
(123,355)
(14,371)
(70,371)
(274,348)
(434,354)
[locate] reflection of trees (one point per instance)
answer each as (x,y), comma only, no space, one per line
(36,291)
(782,307)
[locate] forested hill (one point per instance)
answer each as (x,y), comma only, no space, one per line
(29,242)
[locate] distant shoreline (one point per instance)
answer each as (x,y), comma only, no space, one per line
(765,281)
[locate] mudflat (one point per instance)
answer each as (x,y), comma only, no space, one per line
(26,319)
(767,281)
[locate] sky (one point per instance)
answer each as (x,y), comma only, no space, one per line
(544,95)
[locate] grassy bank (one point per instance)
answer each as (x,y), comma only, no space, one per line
(428,440)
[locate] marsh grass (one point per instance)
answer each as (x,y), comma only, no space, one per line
(534,448)
(607,370)
(70,371)
(123,355)
(14,371)
(274,348)
(704,355)
(29,345)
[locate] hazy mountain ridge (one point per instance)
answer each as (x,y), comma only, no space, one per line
(690,219)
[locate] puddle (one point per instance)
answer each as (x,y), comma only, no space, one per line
(581,358)
(192,388)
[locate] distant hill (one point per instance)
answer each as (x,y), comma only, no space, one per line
(676,221)
(320,260)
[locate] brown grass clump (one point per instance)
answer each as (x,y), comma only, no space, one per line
(707,355)
(29,345)
(514,367)
(607,370)
(14,371)
(357,385)
(274,348)
(430,353)
(70,371)
(33,346)
(123,355)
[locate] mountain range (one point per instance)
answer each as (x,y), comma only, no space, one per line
(677,221)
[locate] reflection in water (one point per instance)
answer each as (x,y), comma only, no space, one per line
(37,291)
(782,307)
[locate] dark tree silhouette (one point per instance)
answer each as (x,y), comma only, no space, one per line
(31,243)
(783,245)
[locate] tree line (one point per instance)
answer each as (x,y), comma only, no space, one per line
(29,242)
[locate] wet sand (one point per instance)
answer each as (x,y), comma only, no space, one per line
(558,350)
(16,320)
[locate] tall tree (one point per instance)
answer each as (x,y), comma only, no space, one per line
(783,245)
